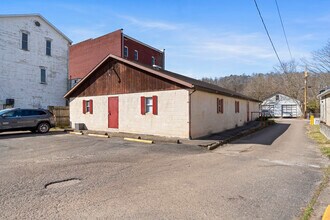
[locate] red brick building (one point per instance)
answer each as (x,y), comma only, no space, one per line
(84,56)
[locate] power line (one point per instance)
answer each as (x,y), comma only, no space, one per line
(286,39)
(270,39)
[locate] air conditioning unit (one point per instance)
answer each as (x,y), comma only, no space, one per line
(10,101)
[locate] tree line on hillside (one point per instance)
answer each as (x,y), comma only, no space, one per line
(286,79)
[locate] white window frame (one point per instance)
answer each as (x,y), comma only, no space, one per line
(149,105)
(49,40)
(125,52)
(41,69)
(136,55)
(28,39)
(88,106)
(153,60)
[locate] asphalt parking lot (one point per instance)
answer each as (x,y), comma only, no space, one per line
(64,176)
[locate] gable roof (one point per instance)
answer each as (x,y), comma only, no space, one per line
(324,93)
(41,17)
(174,77)
(279,93)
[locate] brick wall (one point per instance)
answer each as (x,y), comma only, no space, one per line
(84,56)
(145,53)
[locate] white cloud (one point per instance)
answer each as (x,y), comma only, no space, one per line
(150,24)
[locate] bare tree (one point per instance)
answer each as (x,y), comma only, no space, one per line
(320,60)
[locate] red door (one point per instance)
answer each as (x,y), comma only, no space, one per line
(113,112)
(248,111)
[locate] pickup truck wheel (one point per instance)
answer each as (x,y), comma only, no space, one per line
(43,127)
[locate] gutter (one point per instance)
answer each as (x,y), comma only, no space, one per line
(190,93)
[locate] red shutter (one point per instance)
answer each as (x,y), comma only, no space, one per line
(84,106)
(237,106)
(218,105)
(91,106)
(221,106)
(154,105)
(143,105)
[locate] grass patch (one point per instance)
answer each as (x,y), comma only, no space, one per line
(315,134)
(324,144)
(309,209)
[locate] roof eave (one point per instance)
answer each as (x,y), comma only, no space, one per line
(225,93)
(43,18)
(326,92)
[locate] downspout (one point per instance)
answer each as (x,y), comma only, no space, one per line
(122,43)
(190,93)
(163,59)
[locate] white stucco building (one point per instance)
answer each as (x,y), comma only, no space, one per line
(280,105)
(123,96)
(325,112)
(33,62)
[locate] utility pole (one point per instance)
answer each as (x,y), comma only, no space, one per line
(305,93)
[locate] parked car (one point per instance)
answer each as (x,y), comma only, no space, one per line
(16,119)
(266,113)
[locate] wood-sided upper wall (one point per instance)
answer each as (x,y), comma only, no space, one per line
(114,77)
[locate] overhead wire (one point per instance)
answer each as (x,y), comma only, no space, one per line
(270,39)
(286,39)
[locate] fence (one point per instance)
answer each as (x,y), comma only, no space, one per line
(62,115)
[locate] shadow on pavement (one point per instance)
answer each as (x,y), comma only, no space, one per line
(22,134)
(266,136)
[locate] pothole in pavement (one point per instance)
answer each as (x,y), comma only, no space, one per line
(62,183)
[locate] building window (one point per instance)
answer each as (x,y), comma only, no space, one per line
(25,40)
(148,104)
(125,52)
(136,55)
(88,106)
(43,75)
(153,60)
(219,106)
(236,106)
(277,97)
(48,47)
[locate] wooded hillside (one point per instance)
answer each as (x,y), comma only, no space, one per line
(286,79)
(261,86)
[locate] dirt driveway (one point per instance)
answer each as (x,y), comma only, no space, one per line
(269,175)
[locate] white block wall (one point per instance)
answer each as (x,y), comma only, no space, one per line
(171,121)
(20,69)
(204,117)
(325,109)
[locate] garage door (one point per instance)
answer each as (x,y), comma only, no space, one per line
(289,111)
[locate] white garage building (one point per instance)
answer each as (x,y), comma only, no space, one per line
(123,96)
(280,105)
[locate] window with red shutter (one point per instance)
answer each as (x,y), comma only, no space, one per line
(221,106)
(143,105)
(84,106)
(91,106)
(155,105)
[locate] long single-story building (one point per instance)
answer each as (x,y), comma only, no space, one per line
(279,105)
(124,96)
(325,112)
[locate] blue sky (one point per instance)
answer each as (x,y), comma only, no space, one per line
(202,38)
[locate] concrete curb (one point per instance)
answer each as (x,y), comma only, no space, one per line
(78,133)
(99,135)
(235,137)
(139,140)
(326,215)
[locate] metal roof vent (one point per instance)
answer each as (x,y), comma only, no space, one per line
(156,67)
(37,23)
